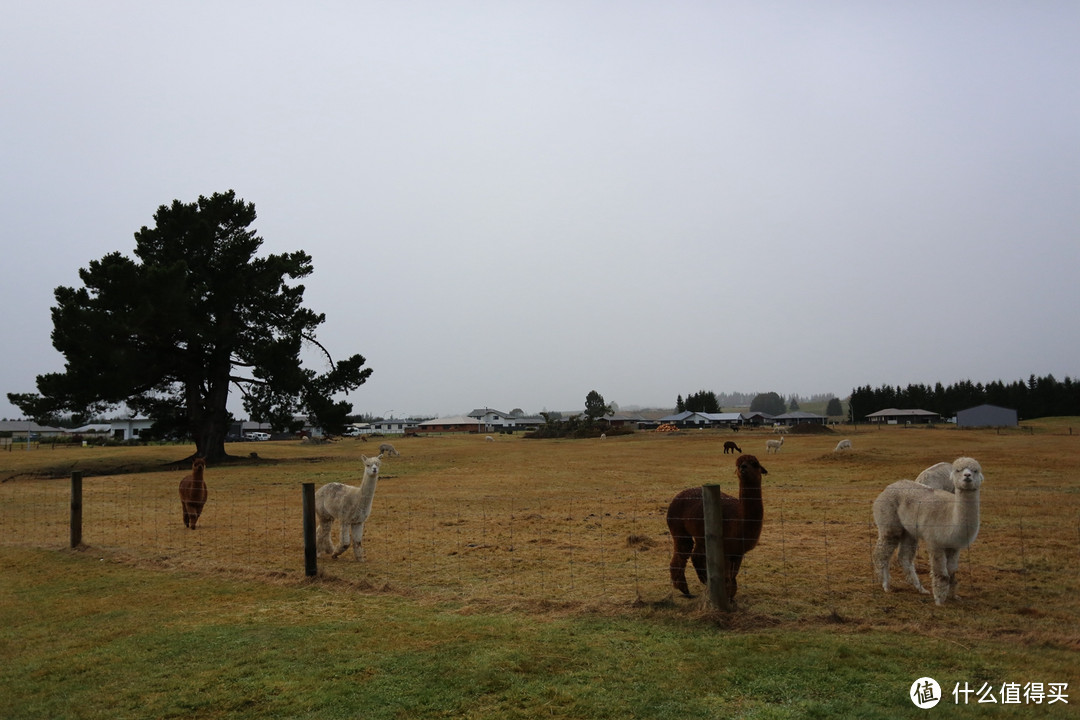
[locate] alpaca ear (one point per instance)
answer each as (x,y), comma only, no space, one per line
(763,470)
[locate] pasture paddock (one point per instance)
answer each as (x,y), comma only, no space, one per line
(578,525)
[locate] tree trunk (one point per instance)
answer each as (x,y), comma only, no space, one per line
(209,415)
(211,444)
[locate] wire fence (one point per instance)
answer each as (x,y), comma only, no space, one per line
(590,547)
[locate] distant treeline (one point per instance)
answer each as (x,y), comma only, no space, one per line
(1038,397)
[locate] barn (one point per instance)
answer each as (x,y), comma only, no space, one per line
(456,424)
(986,416)
(893,416)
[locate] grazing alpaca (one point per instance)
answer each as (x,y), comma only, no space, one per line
(843,445)
(740,531)
(193,493)
(388,449)
(907,512)
(731,447)
(349,505)
(774,445)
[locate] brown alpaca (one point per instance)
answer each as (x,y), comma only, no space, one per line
(740,531)
(731,447)
(193,493)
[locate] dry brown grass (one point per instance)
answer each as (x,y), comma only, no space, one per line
(570,526)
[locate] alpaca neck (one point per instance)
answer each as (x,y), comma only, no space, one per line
(966,506)
(750,499)
(966,516)
(367,491)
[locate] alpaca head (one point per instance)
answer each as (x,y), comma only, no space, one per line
(966,474)
(747,467)
(198,464)
(371,465)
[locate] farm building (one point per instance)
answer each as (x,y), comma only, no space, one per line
(457,424)
(892,416)
(393,427)
(986,416)
(798,417)
(492,420)
(15,430)
(691,419)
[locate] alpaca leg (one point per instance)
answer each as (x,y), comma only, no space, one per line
(734,562)
(345,540)
(187,515)
(952,561)
(322,536)
(883,552)
(909,545)
(939,575)
(195,512)
(357,542)
(679,557)
(697,557)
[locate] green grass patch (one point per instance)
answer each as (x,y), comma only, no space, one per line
(89,638)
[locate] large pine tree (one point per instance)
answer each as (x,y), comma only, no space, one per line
(167,334)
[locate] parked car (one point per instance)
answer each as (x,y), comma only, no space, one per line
(257,435)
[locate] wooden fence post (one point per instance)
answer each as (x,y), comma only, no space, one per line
(76,509)
(714,548)
(311,563)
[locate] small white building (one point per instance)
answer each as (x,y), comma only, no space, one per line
(393,427)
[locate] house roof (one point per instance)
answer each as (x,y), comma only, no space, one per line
(677,417)
(711,417)
(799,415)
(455,420)
(986,406)
(481,412)
(92,428)
(724,417)
(893,412)
(24,425)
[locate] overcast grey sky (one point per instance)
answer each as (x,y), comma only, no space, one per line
(510,204)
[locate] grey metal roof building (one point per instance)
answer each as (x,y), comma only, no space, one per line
(986,416)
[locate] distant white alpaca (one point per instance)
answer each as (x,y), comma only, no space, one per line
(773,445)
(388,449)
(844,444)
(488,438)
(350,506)
(907,512)
(937,476)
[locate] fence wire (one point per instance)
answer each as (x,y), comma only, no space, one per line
(589,547)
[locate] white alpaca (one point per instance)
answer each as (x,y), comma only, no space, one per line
(488,438)
(773,445)
(388,449)
(349,505)
(844,444)
(907,512)
(937,476)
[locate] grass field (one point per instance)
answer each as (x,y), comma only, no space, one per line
(526,579)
